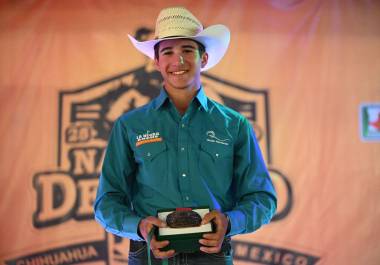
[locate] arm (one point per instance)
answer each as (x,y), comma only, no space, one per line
(113,208)
(255,194)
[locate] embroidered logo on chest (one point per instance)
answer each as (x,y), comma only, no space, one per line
(148,137)
(211,137)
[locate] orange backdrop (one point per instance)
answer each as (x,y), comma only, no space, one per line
(299,70)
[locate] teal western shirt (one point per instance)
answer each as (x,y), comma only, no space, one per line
(158,159)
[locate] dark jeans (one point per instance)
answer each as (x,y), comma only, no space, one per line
(138,256)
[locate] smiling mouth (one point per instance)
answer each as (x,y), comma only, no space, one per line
(178,72)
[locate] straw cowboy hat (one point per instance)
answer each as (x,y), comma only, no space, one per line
(179,23)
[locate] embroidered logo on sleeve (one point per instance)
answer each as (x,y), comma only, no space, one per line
(147,138)
(213,139)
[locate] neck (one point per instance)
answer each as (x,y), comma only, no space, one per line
(182,98)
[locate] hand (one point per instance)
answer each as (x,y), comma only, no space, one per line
(145,226)
(212,242)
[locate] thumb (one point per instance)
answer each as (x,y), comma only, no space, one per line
(207,218)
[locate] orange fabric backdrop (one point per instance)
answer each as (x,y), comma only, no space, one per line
(307,66)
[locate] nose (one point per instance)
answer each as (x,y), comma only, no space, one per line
(178,59)
(181,59)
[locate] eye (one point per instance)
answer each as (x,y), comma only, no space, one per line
(167,53)
(188,51)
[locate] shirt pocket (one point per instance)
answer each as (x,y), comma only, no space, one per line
(152,159)
(215,151)
(216,163)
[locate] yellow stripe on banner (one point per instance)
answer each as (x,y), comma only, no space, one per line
(149,141)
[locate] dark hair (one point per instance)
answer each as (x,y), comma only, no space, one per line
(201,49)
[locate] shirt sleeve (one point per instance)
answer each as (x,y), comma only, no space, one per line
(113,208)
(255,194)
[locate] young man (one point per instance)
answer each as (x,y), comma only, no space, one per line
(183,150)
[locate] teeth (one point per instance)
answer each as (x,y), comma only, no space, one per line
(178,72)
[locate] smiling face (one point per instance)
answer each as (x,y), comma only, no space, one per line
(180,62)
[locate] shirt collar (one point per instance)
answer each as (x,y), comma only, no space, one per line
(163,96)
(202,98)
(160,100)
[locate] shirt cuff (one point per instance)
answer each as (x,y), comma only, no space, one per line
(237,222)
(131,226)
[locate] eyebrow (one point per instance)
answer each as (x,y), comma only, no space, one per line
(166,49)
(187,46)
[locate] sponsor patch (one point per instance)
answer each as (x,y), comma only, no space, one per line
(147,138)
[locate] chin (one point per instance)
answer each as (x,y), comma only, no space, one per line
(181,85)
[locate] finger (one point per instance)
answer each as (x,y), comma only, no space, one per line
(208,217)
(163,254)
(220,222)
(158,244)
(145,228)
(214,236)
(147,224)
(209,243)
(155,221)
(210,249)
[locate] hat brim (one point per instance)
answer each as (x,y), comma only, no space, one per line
(215,38)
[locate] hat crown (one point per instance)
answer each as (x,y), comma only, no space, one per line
(177,21)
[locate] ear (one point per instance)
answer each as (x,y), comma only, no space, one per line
(204,59)
(156,65)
